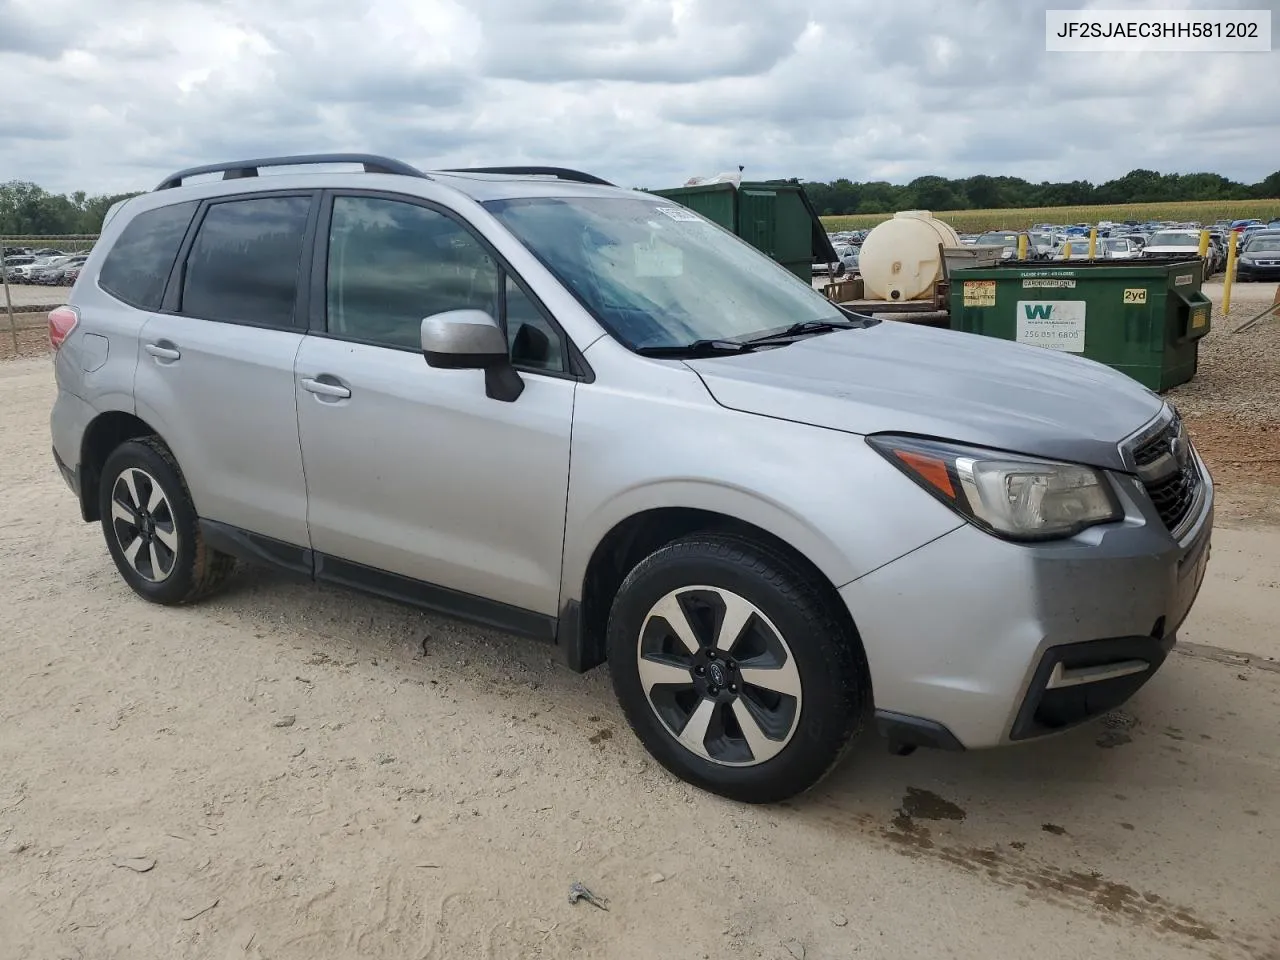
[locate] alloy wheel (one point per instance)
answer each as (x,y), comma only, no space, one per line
(143,522)
(719,676)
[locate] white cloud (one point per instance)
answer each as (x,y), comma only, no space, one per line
(111,97)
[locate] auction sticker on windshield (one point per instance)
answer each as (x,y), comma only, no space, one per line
(1053,324)
(676,213)
(979,293)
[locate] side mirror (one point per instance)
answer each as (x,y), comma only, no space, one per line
(472,340)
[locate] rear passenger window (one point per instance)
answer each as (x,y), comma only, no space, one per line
(244,263)
(138,265)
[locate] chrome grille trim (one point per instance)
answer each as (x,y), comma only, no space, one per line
(1162,457)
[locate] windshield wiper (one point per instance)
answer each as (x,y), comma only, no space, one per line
(808,326)
(698,348)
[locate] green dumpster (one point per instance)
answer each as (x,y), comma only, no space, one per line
(1143,317)
(774,216)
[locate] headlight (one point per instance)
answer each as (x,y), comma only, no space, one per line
(1247,261)
(1016,498)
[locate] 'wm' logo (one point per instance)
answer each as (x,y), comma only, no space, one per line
(1039,311)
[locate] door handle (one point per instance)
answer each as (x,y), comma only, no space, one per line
(162,352)
(323,389)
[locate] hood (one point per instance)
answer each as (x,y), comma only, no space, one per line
(897,377)
(1174,248)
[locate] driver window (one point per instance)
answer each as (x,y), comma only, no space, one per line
(393,263)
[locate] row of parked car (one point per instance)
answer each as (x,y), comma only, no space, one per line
(1256,243)
(47,268)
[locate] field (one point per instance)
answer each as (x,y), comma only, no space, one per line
(1205,211)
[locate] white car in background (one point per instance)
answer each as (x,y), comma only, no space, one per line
(1118,248)
(1179,243)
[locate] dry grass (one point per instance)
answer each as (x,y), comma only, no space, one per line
(966,221)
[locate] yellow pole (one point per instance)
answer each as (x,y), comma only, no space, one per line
(1231,272)
(1093,242)
(1022,246)
(1204,245)
(1066,250)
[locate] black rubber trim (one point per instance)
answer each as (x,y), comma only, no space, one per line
(267,551)
(578,653)
(72,477)
(254,548)
(1047,711)
(904,730)
(462,606)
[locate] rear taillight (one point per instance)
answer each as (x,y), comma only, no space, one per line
(61,322)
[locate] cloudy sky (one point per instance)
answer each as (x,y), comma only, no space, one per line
(110,95)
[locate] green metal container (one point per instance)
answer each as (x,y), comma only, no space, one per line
(774,216)
(1143,317)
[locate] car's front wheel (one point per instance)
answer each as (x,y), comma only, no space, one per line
(151,527)
(735,668)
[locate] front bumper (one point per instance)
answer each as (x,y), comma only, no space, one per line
(1257,272)
(974,641)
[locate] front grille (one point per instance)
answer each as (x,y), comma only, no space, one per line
(1169,473)
(1174,496)
(1152,450)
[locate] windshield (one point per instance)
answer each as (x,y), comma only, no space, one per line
(658,275)
(1263,244)
(1115,246)
(1174,240)
(998,239)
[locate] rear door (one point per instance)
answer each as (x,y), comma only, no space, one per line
(215,374)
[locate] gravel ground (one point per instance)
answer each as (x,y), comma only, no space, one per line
(288,771)
(1232,405)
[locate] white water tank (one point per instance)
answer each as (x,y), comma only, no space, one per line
(900,259)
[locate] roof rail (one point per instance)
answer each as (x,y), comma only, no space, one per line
(249,168)
(560,173)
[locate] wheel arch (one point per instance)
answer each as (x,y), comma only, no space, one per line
(584,620)
(105,432)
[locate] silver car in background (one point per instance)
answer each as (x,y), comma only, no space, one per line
(585,414)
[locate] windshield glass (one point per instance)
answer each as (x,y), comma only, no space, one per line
(998,239)
(1174,240)
(1260,244)
(657,274)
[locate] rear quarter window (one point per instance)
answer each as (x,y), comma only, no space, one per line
(138,264)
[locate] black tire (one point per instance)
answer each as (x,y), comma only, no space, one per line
(188,573)
(828,656)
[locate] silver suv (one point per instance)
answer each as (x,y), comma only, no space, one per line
(634,438)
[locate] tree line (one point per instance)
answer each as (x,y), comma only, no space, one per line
(984,192)
(28,210)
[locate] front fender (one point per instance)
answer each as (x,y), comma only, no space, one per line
(824,492)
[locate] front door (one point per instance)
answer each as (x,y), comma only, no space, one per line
(414,471)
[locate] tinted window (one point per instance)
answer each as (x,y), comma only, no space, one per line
(393,263)
(534,341)
(243,266)
(138,266)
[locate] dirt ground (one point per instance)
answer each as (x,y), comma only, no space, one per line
(288,771)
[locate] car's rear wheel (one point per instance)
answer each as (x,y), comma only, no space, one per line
(735,669)
(151,527)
